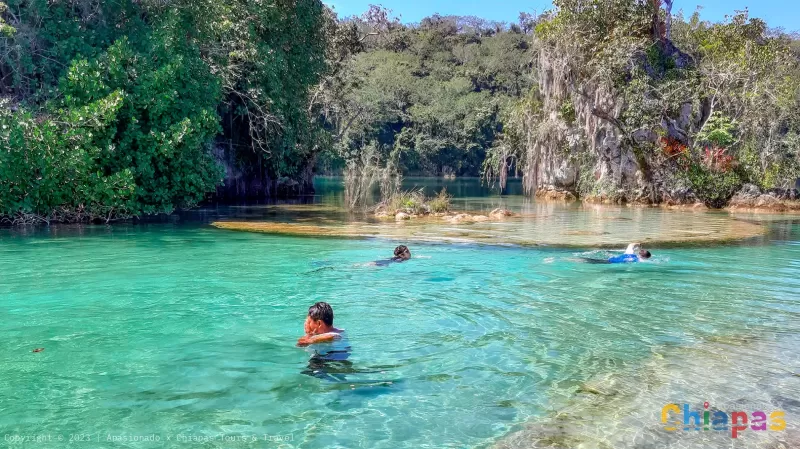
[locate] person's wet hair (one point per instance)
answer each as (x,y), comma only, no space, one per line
(400,250)
(644,254)
(321,311)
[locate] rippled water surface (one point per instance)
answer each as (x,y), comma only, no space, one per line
(180,328)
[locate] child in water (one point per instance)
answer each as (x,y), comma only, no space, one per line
(328,345)
(319,326)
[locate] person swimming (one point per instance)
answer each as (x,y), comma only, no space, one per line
(328,345)
(330,350)
(401,254)
(633,253)
(318,326)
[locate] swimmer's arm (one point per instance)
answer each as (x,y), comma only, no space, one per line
(306,340)
(633,248)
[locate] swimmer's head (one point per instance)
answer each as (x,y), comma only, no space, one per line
(320,317)
(402,252)
(644,254)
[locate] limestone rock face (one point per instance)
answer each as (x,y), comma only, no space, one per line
(678,196)
(402,216)
(582,140)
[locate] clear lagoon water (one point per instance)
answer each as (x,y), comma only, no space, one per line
(177,329)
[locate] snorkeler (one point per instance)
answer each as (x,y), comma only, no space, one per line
(401,254)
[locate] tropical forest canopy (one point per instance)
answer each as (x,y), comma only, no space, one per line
(115,109)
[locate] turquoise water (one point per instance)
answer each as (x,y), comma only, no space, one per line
(179,329)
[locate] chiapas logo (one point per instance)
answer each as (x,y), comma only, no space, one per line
(717,420)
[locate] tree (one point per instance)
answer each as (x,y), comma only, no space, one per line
(185,77)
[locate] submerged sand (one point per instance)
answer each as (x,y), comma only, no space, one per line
(623,409)
(543,224)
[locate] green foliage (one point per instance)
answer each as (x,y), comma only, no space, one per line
(112,109)
(772,172)
(166,122)
(414,201)
(732,88)
(713,188)
(432,94)
(719,131)
(568,112)
(115,106)
(441,202)
(750,82)
(49,169)
(5,29)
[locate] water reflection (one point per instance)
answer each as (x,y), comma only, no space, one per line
(535,223)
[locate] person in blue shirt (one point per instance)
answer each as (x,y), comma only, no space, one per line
(634,253)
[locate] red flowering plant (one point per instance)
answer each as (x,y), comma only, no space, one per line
(676,150)
(718,159)
(673,147)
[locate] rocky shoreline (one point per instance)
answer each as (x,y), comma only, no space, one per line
(450,216)
(749,198)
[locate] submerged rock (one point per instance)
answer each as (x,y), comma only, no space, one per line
(620,407)
(500,213)
(466,218)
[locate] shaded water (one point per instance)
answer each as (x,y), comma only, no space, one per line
(178,328)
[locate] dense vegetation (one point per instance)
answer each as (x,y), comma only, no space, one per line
(429,98)
(115,109)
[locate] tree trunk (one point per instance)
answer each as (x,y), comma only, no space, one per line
(307,175)
(668,18)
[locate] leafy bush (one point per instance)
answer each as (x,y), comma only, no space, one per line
(50,170)
(166,122)
(415,202)
(129,136)
(714,188)
(116,104)
(568,112)
(410,201)
(719,131)
(441,202)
